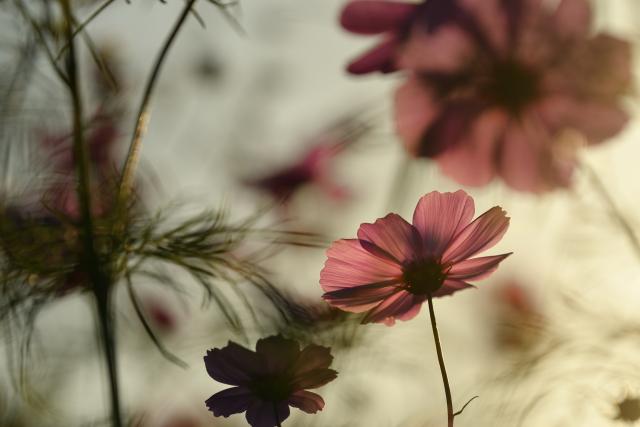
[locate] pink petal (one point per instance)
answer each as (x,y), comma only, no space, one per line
(483,233)
(393,235)
(573,18)
(475,268)
(493,19)
(525,160)
(450,286)
(444,51)
(398,306)
(415,110)
(307,401)
(472,160)
(360,298)
(380,58)
(596,121)
(449,128)
(375,16)
(349,264)
(439,217)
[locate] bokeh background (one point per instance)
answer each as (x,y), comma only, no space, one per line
(551,339)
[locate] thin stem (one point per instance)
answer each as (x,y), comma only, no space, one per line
(143,115)
(604,194)
(90,259)
(443,369)
(275,411)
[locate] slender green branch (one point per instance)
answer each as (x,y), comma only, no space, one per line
(82,26)
(135,146)
(615,211)
(90,260)
(443,369)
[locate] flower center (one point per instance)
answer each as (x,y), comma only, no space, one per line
(512,85)
(423,277)
(272,388)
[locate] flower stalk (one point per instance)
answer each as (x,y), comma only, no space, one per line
(443,369)
(100,281)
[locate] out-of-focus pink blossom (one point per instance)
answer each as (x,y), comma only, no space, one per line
(497,87)
(393,266)
(519,322)
(314,167)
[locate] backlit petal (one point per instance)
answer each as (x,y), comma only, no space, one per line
(439,217)
(393,235)
(483,233)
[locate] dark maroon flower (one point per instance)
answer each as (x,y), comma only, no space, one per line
(268,380)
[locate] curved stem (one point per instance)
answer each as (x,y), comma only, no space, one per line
(624,224)
(275,411)
(443,369)
(142,119)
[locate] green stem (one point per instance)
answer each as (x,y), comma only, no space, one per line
(443,369)
(604,194)
(90,260)
(275,411)
(135,146)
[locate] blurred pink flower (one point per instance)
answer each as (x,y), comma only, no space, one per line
(312,168)
(494,87)
(393,266)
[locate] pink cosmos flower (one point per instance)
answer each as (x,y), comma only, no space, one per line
(393,266)
(510,89)
(311,168)
(314,167)
(266,382)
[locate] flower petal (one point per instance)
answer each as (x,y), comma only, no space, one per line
(573,18)
(375,16)
(360,298)
(313,379)
(446,50)
(307,401)
(472,160)
(393,235)
(379,58)
(396,306)
(450,286)
(232,364)
(439,217)
(475,268)
(230,401)
(596,121)
(279,353)
(349,264)
(262,414)
(526,162)
(415,110)
(483,233)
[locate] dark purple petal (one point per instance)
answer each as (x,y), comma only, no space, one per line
(279,353)
(306,401)
(230,401)
(233,364)
(263,414)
